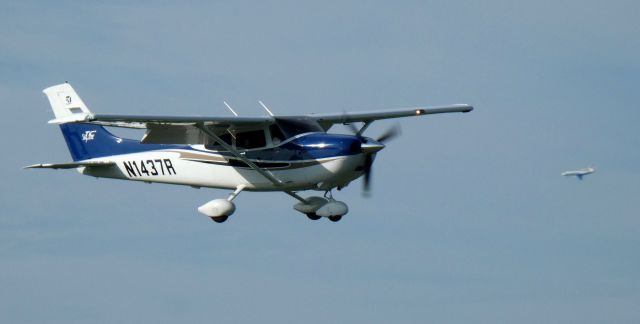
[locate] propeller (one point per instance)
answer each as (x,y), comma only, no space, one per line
(391,133)
(388,135)
(353,129)
(366,180)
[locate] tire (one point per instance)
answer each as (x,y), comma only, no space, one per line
(220,219)
(313,216)
(335,218)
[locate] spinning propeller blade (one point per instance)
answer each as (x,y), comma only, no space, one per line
(366,181)
(390,134)
(352,128)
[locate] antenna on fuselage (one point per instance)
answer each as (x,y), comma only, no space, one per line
(232,111)
(265,108)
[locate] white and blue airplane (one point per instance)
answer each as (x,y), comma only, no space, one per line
(274,153)
(579,173)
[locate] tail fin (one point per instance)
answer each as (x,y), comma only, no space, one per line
(85,141)
(65,102)
(88,141)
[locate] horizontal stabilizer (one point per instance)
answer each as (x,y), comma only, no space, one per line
(70,165)
(70,119)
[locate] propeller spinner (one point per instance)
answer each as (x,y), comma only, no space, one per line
(370,147)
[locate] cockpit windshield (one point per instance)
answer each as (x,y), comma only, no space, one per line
(292,126)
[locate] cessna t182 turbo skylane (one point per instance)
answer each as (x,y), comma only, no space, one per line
(273,153)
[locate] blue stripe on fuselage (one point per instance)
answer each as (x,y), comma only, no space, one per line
(309,147)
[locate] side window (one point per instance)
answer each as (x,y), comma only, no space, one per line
(250,139)
(213,145)
(276,134)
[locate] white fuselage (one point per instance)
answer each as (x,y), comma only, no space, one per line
(204,169)
(579,173)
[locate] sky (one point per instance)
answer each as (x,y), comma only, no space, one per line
(469,218)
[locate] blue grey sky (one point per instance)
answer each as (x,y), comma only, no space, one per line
(469,220)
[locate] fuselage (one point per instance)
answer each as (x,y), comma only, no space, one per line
(307,161)
(580,172)
(270,153)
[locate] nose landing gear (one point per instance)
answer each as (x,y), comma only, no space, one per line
(335,218)
(317,207)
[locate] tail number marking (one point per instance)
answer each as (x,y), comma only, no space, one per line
(149,167)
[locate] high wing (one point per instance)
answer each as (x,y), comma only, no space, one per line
(169,129)
(70,165)
(327,120)
(188,130)
(142,121)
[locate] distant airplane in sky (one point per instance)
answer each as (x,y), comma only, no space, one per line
(579,173)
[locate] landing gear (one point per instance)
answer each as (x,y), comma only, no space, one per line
(219,219)
(219,210)
(335,218)
(317,207)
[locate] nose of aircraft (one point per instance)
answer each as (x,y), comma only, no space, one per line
(371,146)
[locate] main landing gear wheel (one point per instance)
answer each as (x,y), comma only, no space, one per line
(313,216)
(335,218)
(219,219)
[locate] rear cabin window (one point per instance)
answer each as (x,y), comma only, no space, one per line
(250,139)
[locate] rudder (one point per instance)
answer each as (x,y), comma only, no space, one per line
(64,101)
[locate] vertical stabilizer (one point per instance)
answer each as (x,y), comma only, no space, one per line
(88,141)
(85,140)
(65,102)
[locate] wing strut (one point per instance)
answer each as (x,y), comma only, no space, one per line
(296,196)
(364,127)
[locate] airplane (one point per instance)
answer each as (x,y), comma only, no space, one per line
(579,173)
(289,154)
